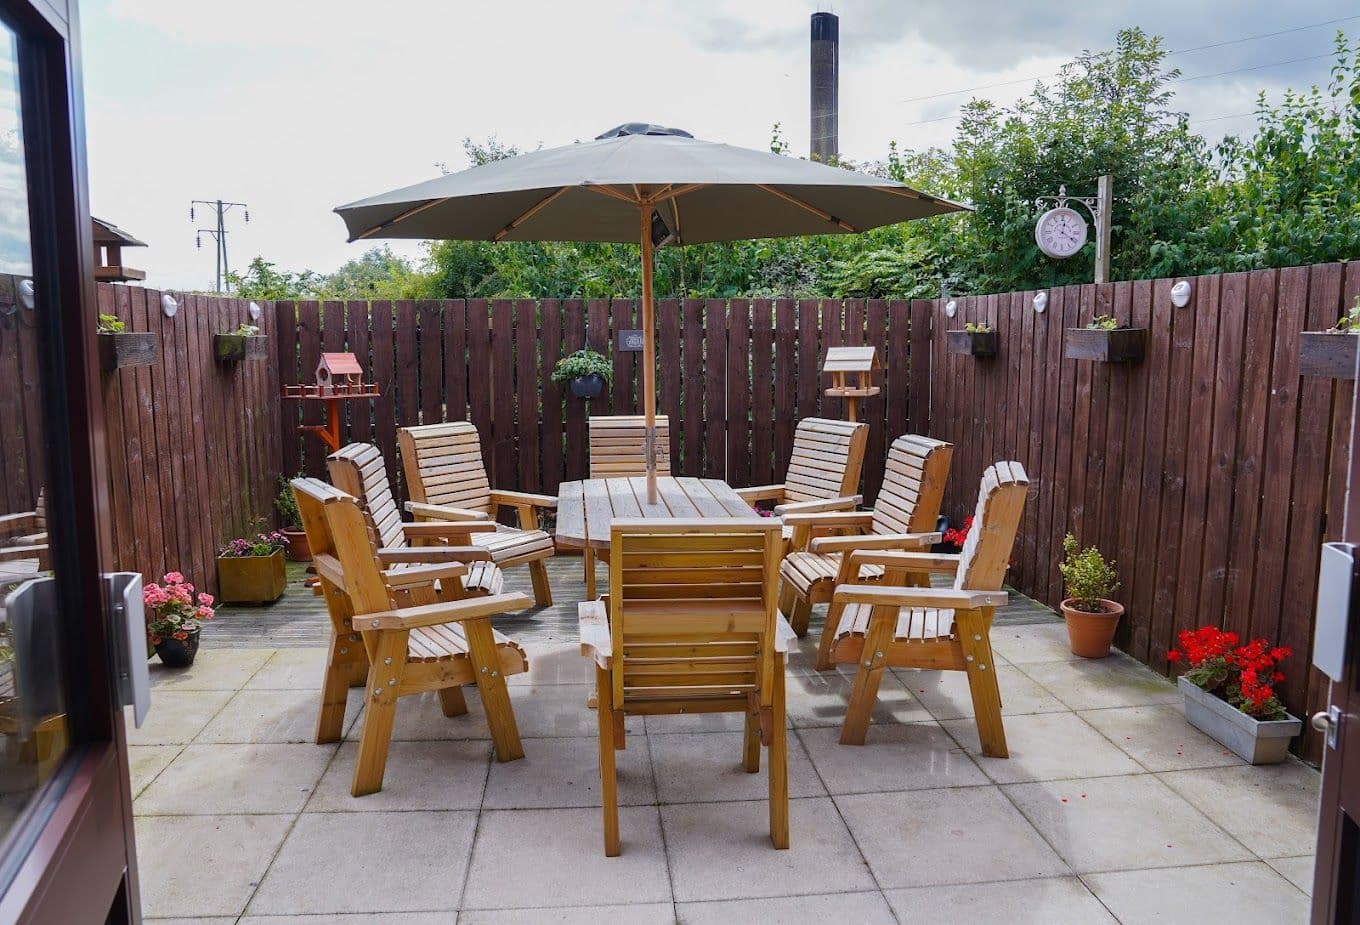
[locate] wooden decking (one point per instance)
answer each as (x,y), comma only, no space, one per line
(299,618)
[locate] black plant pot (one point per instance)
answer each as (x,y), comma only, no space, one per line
(587,387)
(175,653)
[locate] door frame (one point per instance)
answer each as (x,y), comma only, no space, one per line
(78,828)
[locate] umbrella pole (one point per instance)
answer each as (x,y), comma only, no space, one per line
(648,352)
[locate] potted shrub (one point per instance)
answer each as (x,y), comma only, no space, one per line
(1330,354)
(1105,341)
(251,571)
(1090,615)
(244,342)
(298,549)
(174,615)
(585,371)
(976,339)
(1230,695)
(119,347)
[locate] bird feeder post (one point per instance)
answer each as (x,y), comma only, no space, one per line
(852,370)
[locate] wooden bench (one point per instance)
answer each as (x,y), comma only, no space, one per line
(440,642)
(446,479)
(690,626)
(892,625)
(904,516)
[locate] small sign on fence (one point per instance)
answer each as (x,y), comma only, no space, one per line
(630,341)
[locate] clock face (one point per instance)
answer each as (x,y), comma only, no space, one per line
(1060,232)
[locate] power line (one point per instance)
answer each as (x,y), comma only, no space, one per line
(1180,51)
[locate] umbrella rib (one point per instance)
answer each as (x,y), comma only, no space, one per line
(400,217)
(529,213)
(807,207)
(610,191)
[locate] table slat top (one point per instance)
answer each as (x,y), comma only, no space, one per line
(586,509)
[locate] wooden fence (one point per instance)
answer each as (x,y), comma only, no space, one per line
(1211,471)
(193,444)
(735,377)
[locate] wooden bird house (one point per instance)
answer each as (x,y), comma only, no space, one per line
(339,373)
(852,375)
(109,241)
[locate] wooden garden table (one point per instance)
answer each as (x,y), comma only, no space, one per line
(587,509)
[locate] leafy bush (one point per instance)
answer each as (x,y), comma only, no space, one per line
(244,330)
(584,362)
(286,504)
(1088,577)
(1103,323)
(110,324)
(977,327)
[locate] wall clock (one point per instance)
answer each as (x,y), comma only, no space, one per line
(1060,232)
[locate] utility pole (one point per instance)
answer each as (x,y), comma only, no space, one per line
(1104,212)
(218,232)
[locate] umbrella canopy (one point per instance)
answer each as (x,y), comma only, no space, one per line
(644,183)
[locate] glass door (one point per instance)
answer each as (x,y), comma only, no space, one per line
(66,844)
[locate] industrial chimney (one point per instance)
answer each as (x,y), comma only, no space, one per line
(825,80)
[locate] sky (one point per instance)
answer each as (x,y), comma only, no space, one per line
(296,107)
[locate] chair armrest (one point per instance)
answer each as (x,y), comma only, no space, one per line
(945,598)
(783,633)
(420,575)
(446,528)
(471,608)
(522,498)
(593,623)
(443,512)
(433,554)
(847,503)
(760,493)
(906,561)
(825,544)
(829,519)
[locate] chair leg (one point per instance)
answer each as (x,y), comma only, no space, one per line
(588,557)
(802,614)
(381,697)
(982,684)
(872,663)
(500,713)
(750,746)
(538,573)
(346,664)
(786,598)
(828,640)
(778,761)
(452,701)
(609,789)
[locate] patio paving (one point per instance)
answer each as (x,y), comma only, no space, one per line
(1110,809)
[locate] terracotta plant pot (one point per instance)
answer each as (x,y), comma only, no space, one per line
(1090,634)
(299,549)
(251,579)
(178,654)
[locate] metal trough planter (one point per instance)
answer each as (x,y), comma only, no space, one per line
(1254,740)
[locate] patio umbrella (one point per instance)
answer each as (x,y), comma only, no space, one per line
(644,183)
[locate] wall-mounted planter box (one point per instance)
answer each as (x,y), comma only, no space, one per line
(973,343)
(231,348)
(129,348)
(1328,355)
(1121,345)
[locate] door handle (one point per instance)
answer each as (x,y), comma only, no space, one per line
(1328,721)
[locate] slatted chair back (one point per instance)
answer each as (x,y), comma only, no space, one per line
(359,470)
(443,465)
(693,608)
(343,550)
(987,550)
(913,485)
(618,445)
(826,460)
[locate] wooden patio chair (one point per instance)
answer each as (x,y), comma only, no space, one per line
(903,517)
(690,626)
(439,645)
(618,445)
(447,480)
(618,449)
(26,528)
(359,470)
(891,625)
